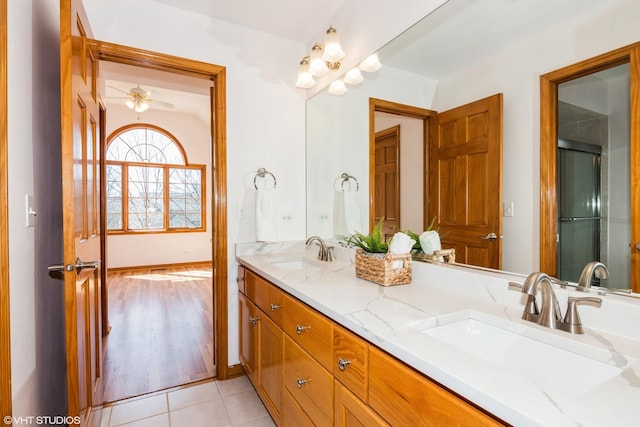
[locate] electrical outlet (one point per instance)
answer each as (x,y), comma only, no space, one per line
(507,209)
(323,217)
(240,214)
(286,218)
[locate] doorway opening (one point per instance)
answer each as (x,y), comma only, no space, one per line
(587,128)
(215,190)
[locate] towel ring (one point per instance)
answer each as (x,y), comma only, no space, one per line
(262,173)
(346,178)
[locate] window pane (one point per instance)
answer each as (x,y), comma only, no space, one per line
(145,198)
(144,145)
(185,199)
(114,197)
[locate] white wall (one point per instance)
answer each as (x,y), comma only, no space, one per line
(515,71)
(165,248)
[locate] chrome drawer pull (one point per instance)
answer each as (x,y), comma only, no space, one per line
(300,382)
(253,320)
(343,363)
(274,307)
(300,329)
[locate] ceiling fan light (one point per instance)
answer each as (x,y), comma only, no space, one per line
(141,107)
(371,64)
(353,76)
(305,79)
(332,50)
(337,87)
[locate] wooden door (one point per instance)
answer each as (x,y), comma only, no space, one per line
(466,181)
(387,180)
(81,229)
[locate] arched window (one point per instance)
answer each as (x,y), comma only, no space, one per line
(150,185)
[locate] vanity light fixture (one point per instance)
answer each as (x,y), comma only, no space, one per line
(322,59)
(305,79)
(353,76)
(337,87)
(371,64)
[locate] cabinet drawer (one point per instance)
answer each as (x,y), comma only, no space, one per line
(270,299)
(309,329)
(351,361)
(309,383)
(402,396)
(292,413)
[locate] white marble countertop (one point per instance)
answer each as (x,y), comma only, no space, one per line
(393,318)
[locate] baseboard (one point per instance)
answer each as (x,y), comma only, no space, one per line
(159,266)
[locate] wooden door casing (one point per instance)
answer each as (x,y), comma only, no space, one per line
(387,179)
(549,145)
(80,123)
(466,181)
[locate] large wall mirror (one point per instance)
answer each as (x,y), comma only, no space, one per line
(463,51)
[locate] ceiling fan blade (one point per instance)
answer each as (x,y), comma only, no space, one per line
(164,104)
(118,89)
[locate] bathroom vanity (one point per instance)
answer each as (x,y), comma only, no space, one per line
(325,348)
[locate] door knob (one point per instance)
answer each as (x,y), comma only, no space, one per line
(638,246)
(490,236)
(79,266)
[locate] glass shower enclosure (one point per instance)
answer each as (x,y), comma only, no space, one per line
(579,207)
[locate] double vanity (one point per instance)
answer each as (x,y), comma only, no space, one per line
(323,347)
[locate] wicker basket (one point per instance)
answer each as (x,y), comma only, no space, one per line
(380,269)
(448,255)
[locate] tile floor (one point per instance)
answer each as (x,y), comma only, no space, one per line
(231,402)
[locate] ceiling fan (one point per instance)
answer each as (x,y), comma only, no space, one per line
(138,99)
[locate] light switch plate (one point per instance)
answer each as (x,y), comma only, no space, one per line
(507,209)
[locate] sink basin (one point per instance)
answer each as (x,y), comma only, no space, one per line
(290,265)
(538,356)
(294,263)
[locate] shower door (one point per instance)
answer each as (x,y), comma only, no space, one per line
(578,207)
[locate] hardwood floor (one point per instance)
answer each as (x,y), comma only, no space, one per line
(161,330)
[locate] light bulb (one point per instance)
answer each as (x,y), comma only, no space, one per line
(353,76)
(337,87)
(371,64)
(317,66)
(332,50)
(305,79)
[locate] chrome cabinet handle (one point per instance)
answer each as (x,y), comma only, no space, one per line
(253,320)
(274,307)
(300,382)
(300,329)
(343,363)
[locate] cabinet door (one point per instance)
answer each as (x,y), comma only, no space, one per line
(352,412)
(248,317)
(404,397)
(271,362)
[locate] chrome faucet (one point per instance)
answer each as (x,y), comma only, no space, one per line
(592,270)
(325,252)
(549,315)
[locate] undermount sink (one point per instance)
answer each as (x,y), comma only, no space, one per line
(539,356)
(295,263)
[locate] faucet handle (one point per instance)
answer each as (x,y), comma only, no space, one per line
(531,310)
(572,318)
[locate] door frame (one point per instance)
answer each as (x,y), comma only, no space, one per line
(548,148)
(216,73)
(429,130)
(5,327)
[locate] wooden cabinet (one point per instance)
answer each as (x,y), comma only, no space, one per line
(353,412)
(310,371)
(351,361)
(309,383)
(247,314)
(404,397)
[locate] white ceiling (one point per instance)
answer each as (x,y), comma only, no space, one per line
(291,19)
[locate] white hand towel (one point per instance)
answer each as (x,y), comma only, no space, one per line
(430,242)
(400,243)
(346,214)
(266,218)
